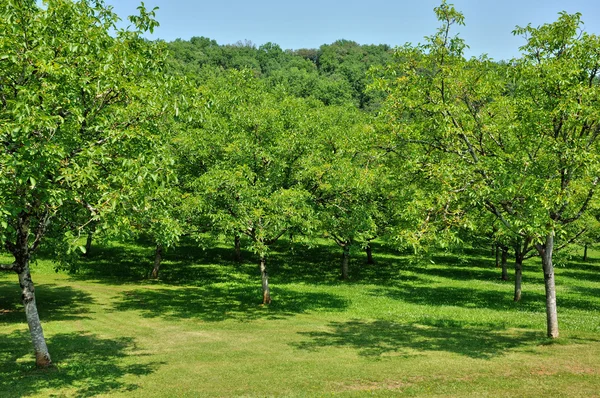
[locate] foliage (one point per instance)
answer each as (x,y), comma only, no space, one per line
(240,163)
(344,174)
(519,140)
(334,74)
(80,115)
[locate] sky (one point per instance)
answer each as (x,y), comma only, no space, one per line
(311,23)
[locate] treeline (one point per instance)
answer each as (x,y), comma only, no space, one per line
(335,74)
(110,135)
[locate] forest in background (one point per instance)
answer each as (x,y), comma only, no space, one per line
(335,74)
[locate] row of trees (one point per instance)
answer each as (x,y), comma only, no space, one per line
(109,134)
(519,140)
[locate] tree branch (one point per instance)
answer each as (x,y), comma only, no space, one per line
(593,137)
(584,206)
(527,249)
(490,206)
(273,240)
(41,229)
(338,240)
(573,239)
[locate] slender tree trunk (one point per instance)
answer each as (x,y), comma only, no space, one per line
(22,255)
(585,252)
(345,258)
(545,252)
(518,271)
(369,251)
(504,263)
(42,356)
(497,256)
(88,244)
(238,249)
(265,281)
(157,260)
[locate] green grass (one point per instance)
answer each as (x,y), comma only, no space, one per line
(441,328)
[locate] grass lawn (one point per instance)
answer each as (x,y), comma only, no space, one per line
(446,327)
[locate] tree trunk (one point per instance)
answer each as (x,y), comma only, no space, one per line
(42,356)
(265,281)
(157,260)
(22,254)
(518,271)
(238,249)
(585,252)
(345,258)
(369,251)
(504,263)
(545,252)
(497,256)
(88,244)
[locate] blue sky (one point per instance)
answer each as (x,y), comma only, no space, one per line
(310,23)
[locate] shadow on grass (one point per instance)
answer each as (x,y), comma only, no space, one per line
(321,265)
(590,265)
(460,267)
(116,264)
(464,273)
(86,365)
(490,299)
(54,303)
(218,303)
(380,339)
(187,264)
(588,292)
(579,275)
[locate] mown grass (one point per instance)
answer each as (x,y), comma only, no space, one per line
(441,327)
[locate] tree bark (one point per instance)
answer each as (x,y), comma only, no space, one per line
(21,253)
(88,244)
(265,281)
(157,260)
(497,256)
(42,356)
(585,256)
(545,252)
(369,251)
(345,258)
(238,249)
(504,263)
(518,271)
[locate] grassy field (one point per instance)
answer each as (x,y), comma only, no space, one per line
(442,327)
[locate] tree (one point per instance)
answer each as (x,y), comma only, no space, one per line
(159,217)
(519,141)
(191,56)
(590,225)
(79,120)
(351,61)
(344,175)
(240,162)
